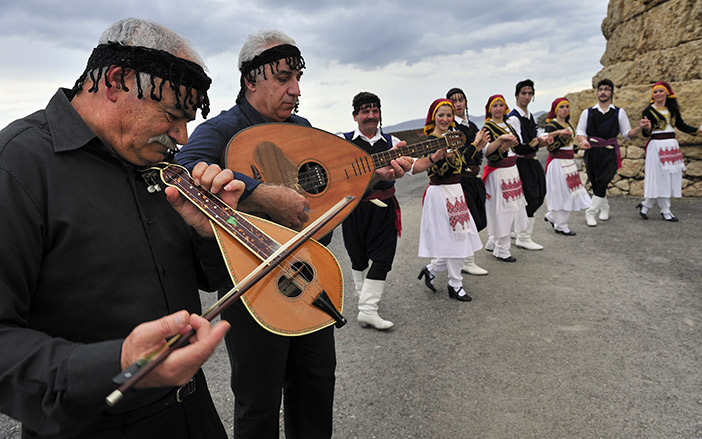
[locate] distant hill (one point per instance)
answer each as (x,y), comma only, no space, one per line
(418,124)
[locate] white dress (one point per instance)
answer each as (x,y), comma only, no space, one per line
(664,165)
(505,203)
(447,229)
(564,188)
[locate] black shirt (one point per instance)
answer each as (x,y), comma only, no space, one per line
(87,255)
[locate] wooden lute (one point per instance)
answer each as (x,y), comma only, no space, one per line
(303,294)
(319,165)
(291,273)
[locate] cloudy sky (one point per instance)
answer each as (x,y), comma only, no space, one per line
(405,51)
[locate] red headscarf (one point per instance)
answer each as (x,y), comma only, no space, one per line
(491,100)
(664,85)
(429,123)
(554,107)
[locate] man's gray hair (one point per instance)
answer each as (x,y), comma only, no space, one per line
(138,32)
(146,33)
(259,41)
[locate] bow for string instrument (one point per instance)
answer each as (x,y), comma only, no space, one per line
(319,165)
(280,285)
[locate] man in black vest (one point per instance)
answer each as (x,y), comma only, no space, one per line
(472,184)
(371,230)
(530,170)
(597,135)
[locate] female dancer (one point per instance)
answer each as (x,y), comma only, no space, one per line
(664,161)
(505,199)
(447,232)
(564,189)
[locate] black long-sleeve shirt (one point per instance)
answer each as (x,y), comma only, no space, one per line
(87,255)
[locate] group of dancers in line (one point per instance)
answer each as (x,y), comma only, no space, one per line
(459,202)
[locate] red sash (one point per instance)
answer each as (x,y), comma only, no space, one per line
(504,163)
(559,154)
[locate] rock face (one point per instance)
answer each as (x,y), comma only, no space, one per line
(650,41)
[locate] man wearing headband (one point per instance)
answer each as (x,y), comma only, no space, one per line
(472,184)
(264,363)
(530,170)
(597,134)
(94,256)
(271,67)
(371,230)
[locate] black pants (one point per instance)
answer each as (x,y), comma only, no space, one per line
(370,234)
(266,365)
(194,418)
(533,183)
(601,166)
(474,191)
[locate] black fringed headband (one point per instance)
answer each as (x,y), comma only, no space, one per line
(365,100)
(157,63)
(250,69)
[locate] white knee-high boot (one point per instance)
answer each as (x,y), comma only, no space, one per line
(358,278)
(368,305)
(524,238)
(592,210)
(604,209)
(470,267)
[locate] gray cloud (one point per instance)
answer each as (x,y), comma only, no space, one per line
(404,50)
(366,34)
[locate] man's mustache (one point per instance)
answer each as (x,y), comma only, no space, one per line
(165,140)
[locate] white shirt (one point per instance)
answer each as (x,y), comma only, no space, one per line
(373,139)
(460,121)
(624,125)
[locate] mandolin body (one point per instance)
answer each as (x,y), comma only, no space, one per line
(280,302)
(319,165)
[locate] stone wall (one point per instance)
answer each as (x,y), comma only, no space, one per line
(650,41)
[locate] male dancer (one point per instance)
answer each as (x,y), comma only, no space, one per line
(371,230)
(472,184)
(597,133)
(530,170)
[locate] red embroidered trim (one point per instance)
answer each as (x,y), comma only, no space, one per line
(574,182)
(458,213)
(512,189)
(670,155)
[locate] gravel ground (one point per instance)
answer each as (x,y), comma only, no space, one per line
(596,336)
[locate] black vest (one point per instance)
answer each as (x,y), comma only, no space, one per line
(604,126)
(527,124)
(381,145)
(470,132)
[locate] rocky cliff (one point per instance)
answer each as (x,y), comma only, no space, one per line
(650,41)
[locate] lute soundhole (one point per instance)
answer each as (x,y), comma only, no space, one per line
(312,177)
(295,279)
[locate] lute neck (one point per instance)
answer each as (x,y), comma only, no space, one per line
(415,150)
(218,211)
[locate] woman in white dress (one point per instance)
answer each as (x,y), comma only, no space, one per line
(564,188)
(664,161)
(505,206)
(447,232)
